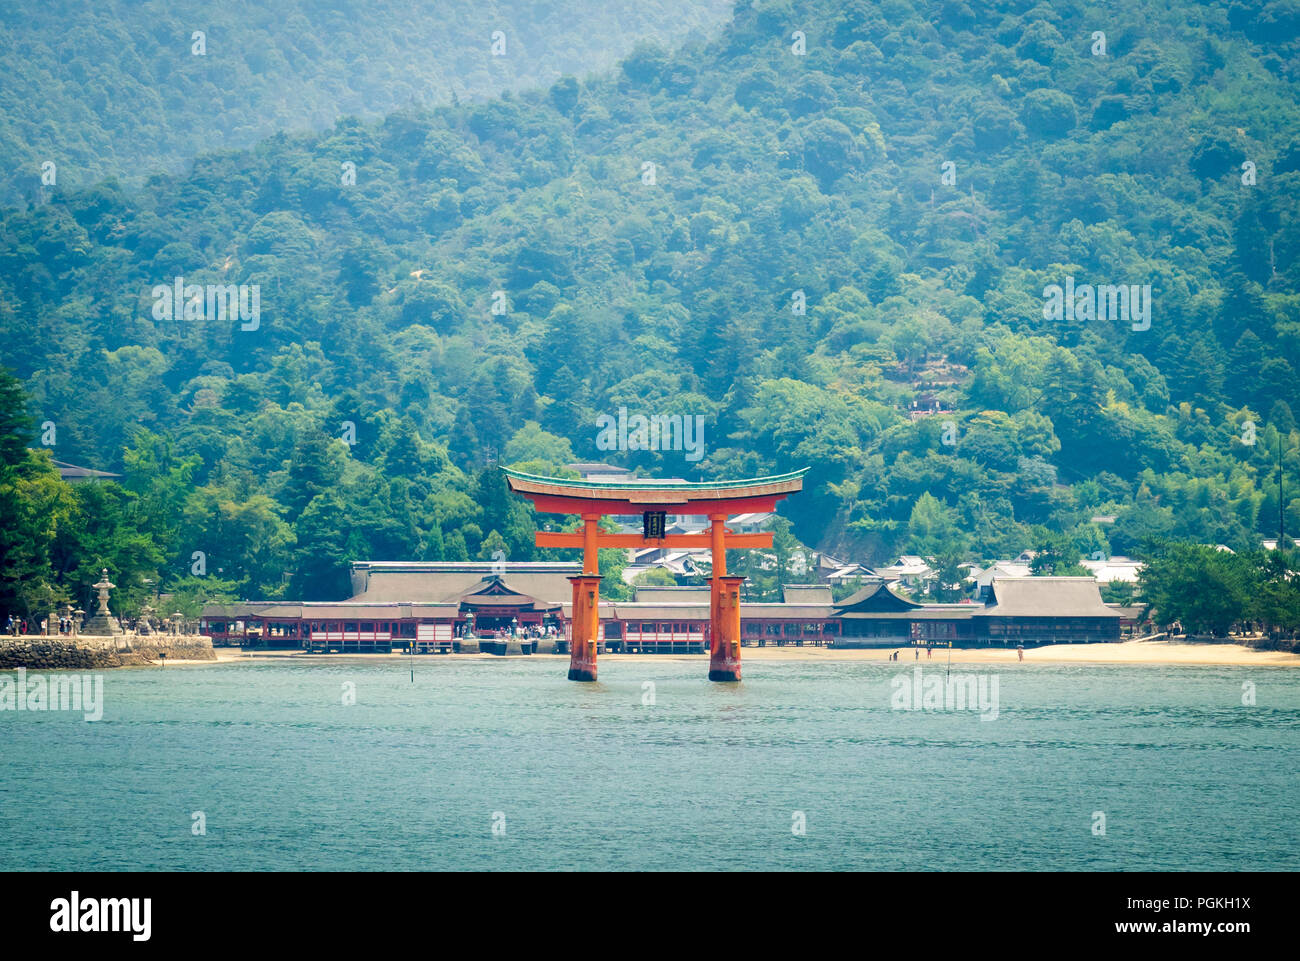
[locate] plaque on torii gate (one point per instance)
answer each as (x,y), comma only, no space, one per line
(716,500)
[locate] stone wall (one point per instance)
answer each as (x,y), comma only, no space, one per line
(80,653)
(187,648)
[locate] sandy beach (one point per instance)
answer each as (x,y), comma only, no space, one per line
(1129,652)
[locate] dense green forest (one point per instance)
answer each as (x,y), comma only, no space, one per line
(124,88)
(760,229)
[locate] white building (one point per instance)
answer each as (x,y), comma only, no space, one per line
(910,570)
(1114,569)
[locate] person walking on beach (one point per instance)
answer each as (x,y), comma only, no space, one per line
(929,652)
(917,652)
(1020,651)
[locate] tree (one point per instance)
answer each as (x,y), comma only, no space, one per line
(950,573)
(1055,555)
(245,539)
(507,513)
(1119,592)
(531,443)
(33,502)
(494,547)
(1275,600)
(830,150)
(1204,589)
(932,527)
(190,595)
(564,95)
(1048,113)
(655,577)
(324,544)
(784,547)
(30,492)
(17,426)
(612,564)
(316,465)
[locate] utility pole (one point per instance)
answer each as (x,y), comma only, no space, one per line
(1281,500)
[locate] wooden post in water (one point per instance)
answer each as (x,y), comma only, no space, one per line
(584,627)
(724,626)
(724,608)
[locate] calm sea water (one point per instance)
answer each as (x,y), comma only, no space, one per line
(416,775)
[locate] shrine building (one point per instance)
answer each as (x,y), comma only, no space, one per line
(427,606)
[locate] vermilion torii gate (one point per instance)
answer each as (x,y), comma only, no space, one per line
(653,500)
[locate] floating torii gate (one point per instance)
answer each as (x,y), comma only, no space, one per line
(654,500)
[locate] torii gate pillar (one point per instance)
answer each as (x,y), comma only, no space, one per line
(724,627)
(724,608)
(584,627)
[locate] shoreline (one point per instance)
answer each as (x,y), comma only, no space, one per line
(1161,652)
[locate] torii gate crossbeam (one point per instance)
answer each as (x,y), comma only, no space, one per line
(716,500)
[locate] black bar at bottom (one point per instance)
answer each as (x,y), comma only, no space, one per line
(1044,911)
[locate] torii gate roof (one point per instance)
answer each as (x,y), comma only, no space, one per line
(559,495)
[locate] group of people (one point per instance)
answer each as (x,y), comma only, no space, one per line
(531,631)
(19,625)
(500,633)
(929,652)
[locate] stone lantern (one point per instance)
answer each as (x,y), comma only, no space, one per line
(469,643)
(103,621)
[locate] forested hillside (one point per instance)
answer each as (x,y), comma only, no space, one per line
(125,88)
(835,217)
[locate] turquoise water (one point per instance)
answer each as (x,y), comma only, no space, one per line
(415,775)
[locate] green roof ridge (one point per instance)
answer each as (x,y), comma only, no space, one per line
(655,485)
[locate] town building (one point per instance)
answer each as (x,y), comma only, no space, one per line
(910,571)
(1122,569)
(982,577)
